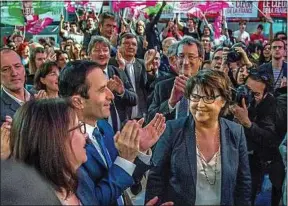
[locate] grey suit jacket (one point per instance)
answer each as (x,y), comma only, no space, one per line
(8,106)
(174,176)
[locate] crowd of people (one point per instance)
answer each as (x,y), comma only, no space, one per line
(115,113)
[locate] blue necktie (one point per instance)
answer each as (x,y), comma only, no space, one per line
(183,108)
(99,139)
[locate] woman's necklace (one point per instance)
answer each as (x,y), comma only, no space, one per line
(216,161)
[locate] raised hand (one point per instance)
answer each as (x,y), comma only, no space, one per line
(149,60)
(145,42)
(150,134)
(241,114)
(154,201)
(51,56)
(127,141)
(120,60)
(116,85)
(178,90)
(5,138)
(283,82)
(42,94)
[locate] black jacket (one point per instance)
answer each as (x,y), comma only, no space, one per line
(261,136)
(152,32)
(161,96)
(129,99)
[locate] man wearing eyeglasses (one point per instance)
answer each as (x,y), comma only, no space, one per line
(258,121)
(135,71)
(168,96)
(277,68)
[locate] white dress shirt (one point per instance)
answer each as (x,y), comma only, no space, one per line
(207,194)
(131,73)
(19,101)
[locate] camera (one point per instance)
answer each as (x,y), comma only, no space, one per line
(233,55)
(243,92)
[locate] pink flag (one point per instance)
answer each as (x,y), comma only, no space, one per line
(37,26)
(217,26)
(117,5)
(72,6)
(196,12)
(213,6)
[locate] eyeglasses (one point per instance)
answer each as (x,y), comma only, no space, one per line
(275,47)
(190,58)
(81,126)
(206,99)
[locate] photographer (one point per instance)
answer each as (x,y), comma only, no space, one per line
(236,61)
(257,114)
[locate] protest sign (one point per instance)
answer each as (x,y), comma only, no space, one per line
(274,8)
(242,9)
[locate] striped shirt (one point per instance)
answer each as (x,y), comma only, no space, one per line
(278,74)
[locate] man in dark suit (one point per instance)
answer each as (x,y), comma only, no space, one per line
(107,25)
(277,67)
(172,72)
(118,83)
(169,93)
(13,93)
(135,72)
(115,162)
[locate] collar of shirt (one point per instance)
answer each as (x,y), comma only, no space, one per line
(131,62)
(19,101)
(90,129)
(106,72)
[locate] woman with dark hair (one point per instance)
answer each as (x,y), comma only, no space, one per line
(54,144)
(83,54)
(265,55)
(62,59)
(214,168)
(37,58)
(46,78)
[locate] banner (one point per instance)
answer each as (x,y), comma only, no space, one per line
(192,7)
(117,5)
(12,12)
(274,8)
(242,9)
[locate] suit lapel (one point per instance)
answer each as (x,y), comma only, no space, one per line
(225,163)
(189,135)
(128,77)
(95,154)
(9,101)
(110,73)
(137,72)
